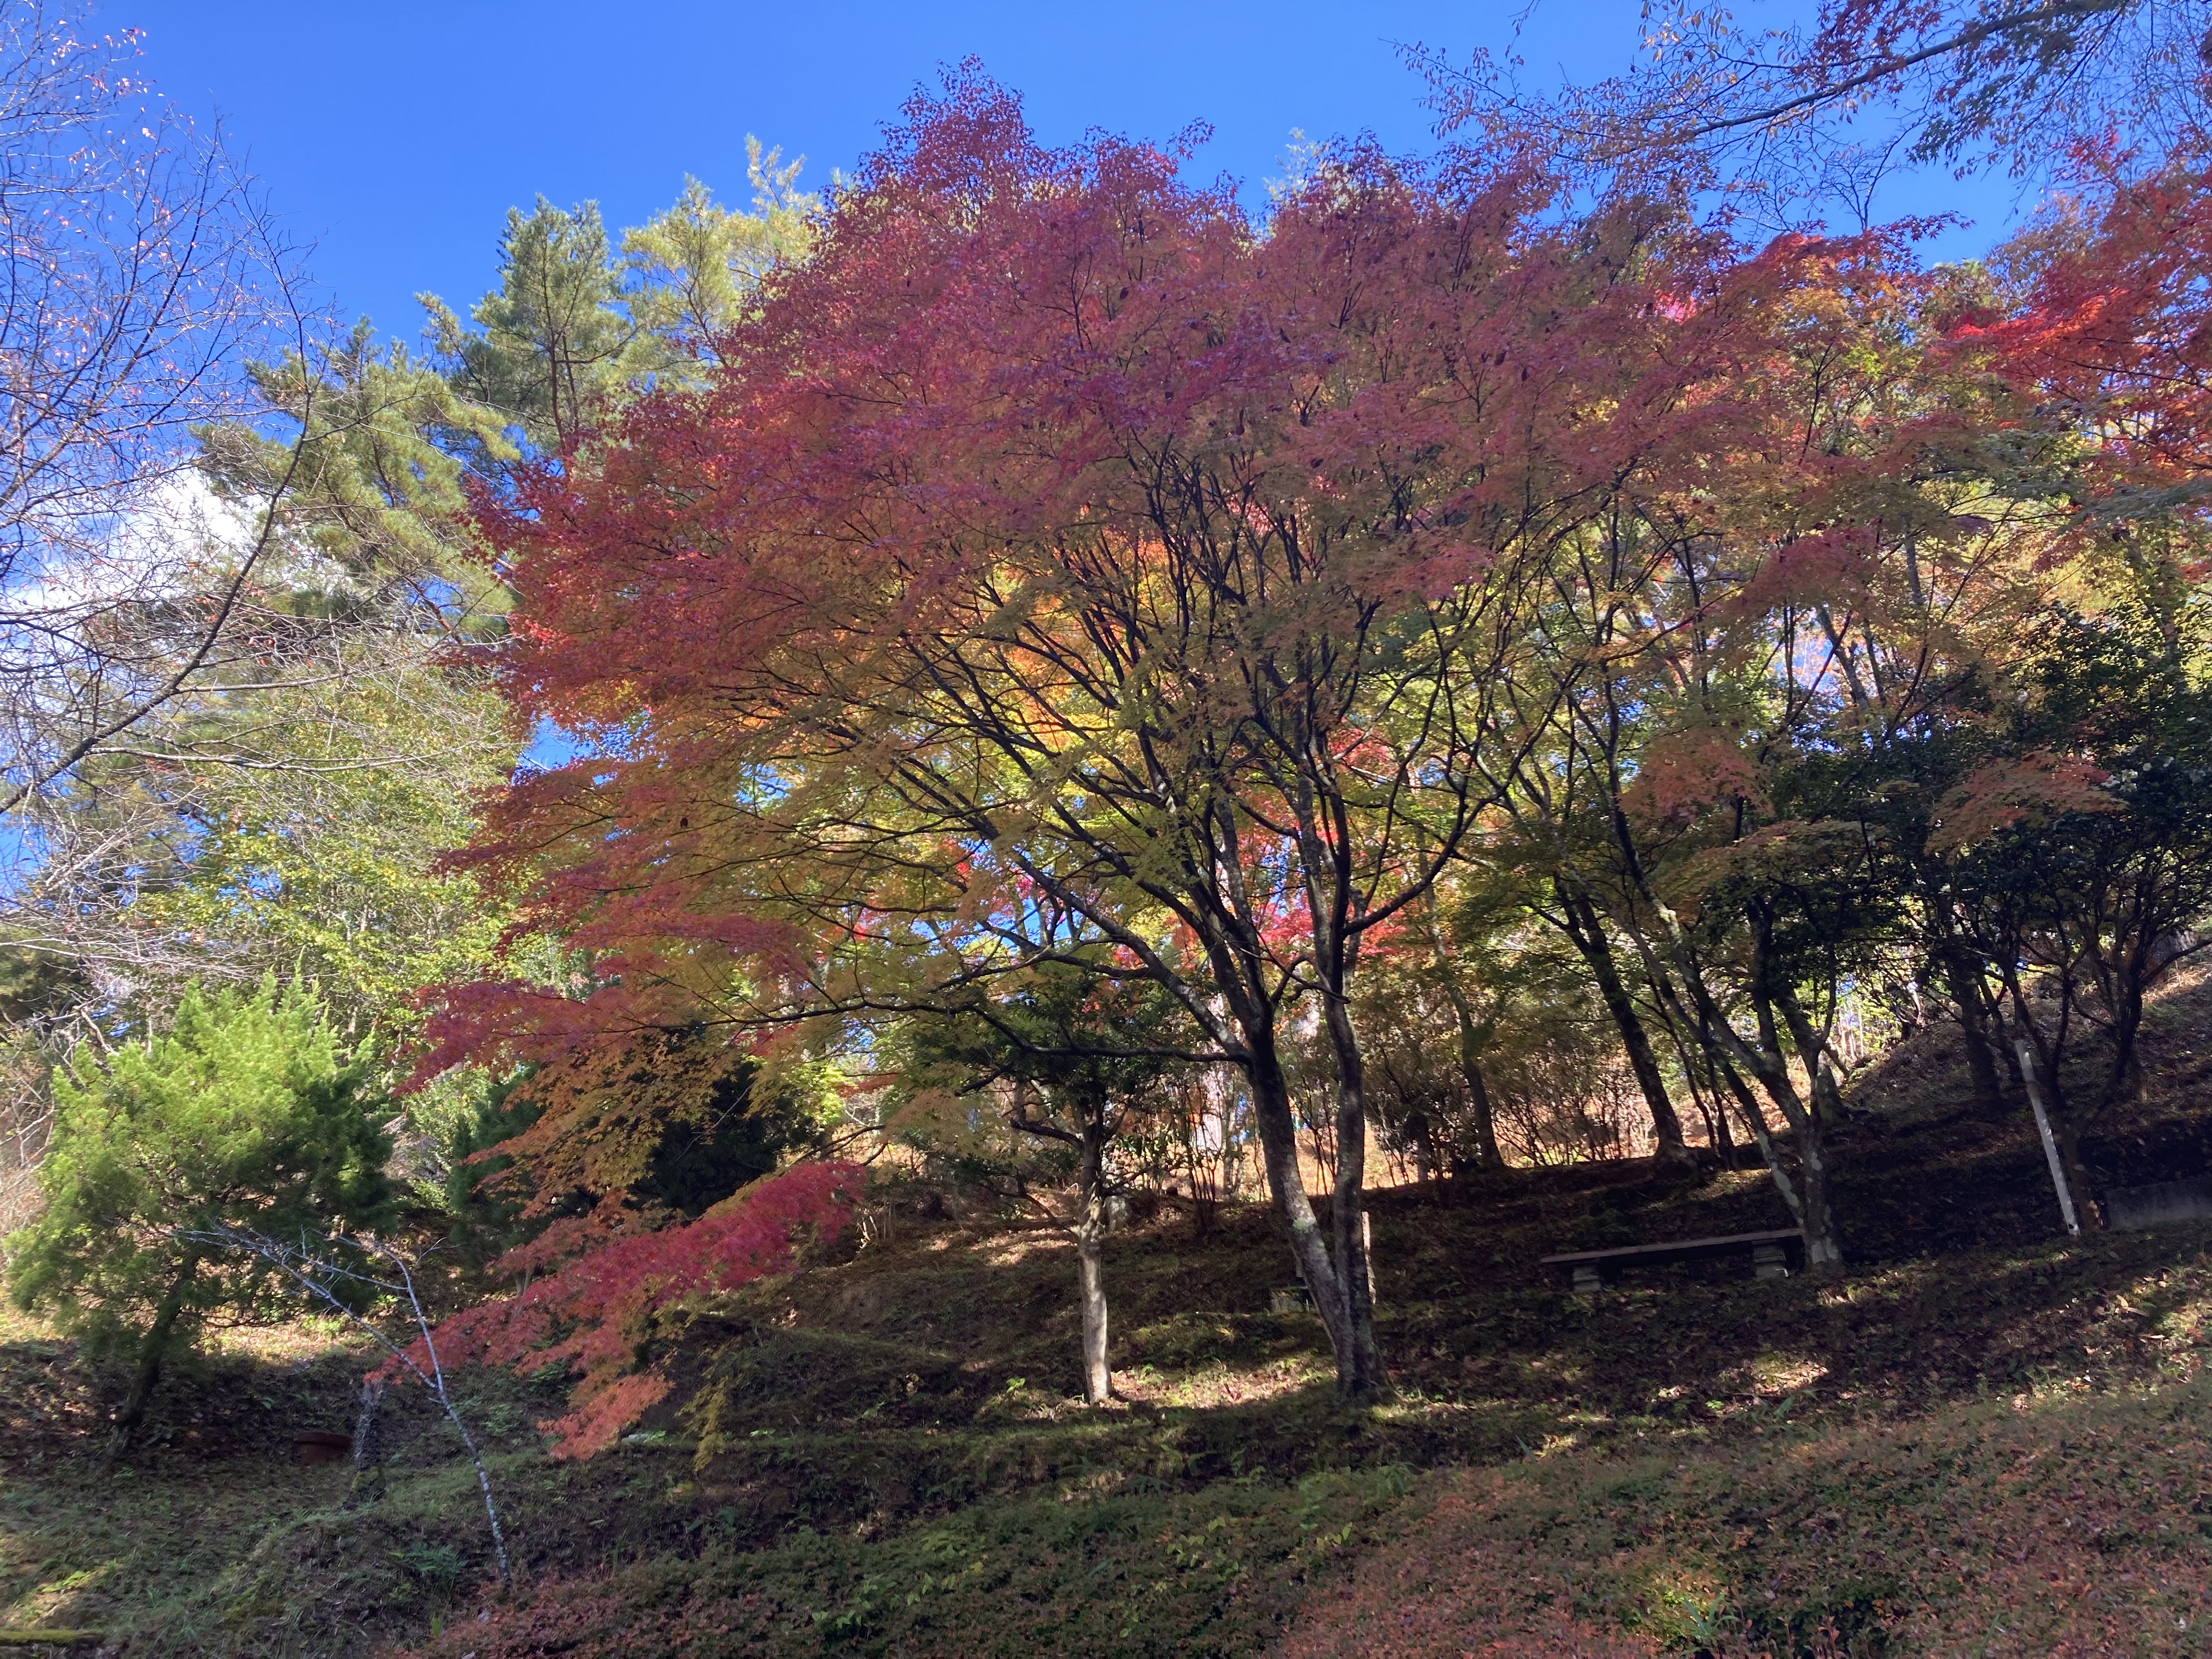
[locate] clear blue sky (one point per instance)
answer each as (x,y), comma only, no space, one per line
(396,133)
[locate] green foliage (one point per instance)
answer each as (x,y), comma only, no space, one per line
(1183,1573)
(693,270)
(572,326)
(738,1133)
(678,1120)
(1074,1039)
(859,1451)
(331,874)
(373,473)
(436,1567)
(248,1113)
(551,340)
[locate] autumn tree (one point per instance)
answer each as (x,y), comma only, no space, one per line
(2082,863)
(1052,542)
(1733,675)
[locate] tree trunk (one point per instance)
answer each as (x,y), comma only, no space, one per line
(1816,1215)
(1966,996)
(153,1350)
(367,1447)
(1587,931)
(1360,1366)
(1357,1362)
(1807,1197)
(1482,1120)
(1422,1144)
(1338,1286)
(1824,1249)
(1716,1114)
(1089,1256)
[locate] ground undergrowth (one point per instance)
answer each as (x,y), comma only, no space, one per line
(1985,1438)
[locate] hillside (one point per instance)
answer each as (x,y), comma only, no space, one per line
(1984,1439)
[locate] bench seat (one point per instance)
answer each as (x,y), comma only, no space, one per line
(1773,1255)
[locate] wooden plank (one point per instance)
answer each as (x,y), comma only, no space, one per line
(1678,1249)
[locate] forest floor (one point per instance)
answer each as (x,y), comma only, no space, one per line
(1984,1438)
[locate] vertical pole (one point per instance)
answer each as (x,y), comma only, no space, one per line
(2049,1144)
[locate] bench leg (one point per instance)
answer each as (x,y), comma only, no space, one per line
(1769,1261)
(1588,1277)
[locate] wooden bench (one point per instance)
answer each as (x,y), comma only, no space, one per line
(1773,1256)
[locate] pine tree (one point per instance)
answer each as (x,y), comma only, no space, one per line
(693,270)
(552,341)
(248,1113)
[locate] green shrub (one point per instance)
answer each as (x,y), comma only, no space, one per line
(248,1113)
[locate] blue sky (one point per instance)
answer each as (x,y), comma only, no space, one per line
(396,135)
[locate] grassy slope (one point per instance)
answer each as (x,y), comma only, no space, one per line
(1983,1440)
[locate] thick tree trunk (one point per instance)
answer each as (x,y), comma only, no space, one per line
(1966,996)
(1358,1366)
(1586,933)
(1824,1249)
(1091,1274)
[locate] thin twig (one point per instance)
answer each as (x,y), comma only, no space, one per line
(303,1266)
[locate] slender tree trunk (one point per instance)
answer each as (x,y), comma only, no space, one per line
(2043,1059)
(1089,1256)
(1587,931)
(153,1350)
(1337,1285)
(1359,1370)
(2070,1123)
(1423,1144)
(1808,1198)
(1482,1120)
(1823,1246)
(1716,1113)
(367,1447)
